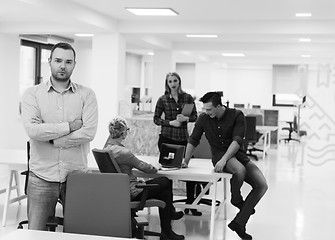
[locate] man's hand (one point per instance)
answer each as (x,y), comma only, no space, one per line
(175,123)
(75,125)
(220,165)
(184,164)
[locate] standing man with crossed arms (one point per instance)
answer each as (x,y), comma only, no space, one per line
(60,118)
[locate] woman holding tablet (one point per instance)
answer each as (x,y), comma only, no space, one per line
(174,123)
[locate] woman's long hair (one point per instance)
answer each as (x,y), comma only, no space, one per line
(167,88)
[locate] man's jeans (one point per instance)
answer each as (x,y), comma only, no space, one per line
(251,174)
(42,200)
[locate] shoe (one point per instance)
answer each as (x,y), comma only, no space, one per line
(194,212)
(240,230)
(177,215)
(240,205)
(171,236)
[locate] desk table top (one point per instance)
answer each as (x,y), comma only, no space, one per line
(266,128)
(198,170)
(42,235)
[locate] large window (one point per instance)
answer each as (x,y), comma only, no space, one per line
(34,67)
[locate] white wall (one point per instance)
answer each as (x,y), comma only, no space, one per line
(82,73)
(248,84)
(12,132)
(187,72)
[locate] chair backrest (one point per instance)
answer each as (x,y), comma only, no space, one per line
(106,161)
(238,105)
(26,173)
(259,119)
(98,204)
(250,131)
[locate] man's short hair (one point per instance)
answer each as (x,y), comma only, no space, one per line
(213,97)
(65,46)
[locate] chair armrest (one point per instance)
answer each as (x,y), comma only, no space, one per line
(53,222)
(25,173)
(141,221)
(147,186)
(144,197)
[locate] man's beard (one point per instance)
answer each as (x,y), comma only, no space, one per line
(61,77)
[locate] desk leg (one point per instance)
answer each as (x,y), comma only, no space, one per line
(13,174)
(265,148)
(211,233)
(225,187)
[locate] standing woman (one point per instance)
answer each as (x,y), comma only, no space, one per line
(174,124)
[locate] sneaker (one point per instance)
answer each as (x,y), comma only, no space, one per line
(194,212)
(171,236)
(177,215)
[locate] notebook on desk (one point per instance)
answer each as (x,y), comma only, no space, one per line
(171,156)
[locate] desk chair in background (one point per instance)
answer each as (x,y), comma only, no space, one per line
(251,137)
(238,105)
(252,145)
(293,127)
(108,164)
(98,204)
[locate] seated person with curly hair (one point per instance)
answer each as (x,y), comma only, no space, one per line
(127,161)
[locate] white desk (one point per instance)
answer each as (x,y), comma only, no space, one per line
(198,170)
(266,137)
(45,235)
(16,161)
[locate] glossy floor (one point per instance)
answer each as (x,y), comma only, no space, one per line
(299,204)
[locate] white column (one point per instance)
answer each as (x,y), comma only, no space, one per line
(162,64)
(202,79)
(11,129)
(108,79)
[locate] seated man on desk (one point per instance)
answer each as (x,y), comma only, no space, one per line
(224,129)
(127,161)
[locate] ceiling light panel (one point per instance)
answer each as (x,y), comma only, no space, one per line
(303,14)
(152,11)
(83,34)
(233,54)
(304,39)
(201,35)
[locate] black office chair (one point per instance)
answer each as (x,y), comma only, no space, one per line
(26,174)
(293,127)
(251,137)
(107,164)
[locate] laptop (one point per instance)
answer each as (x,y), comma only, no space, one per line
(171,156)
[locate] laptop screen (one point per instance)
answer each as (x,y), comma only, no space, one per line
(171,155)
